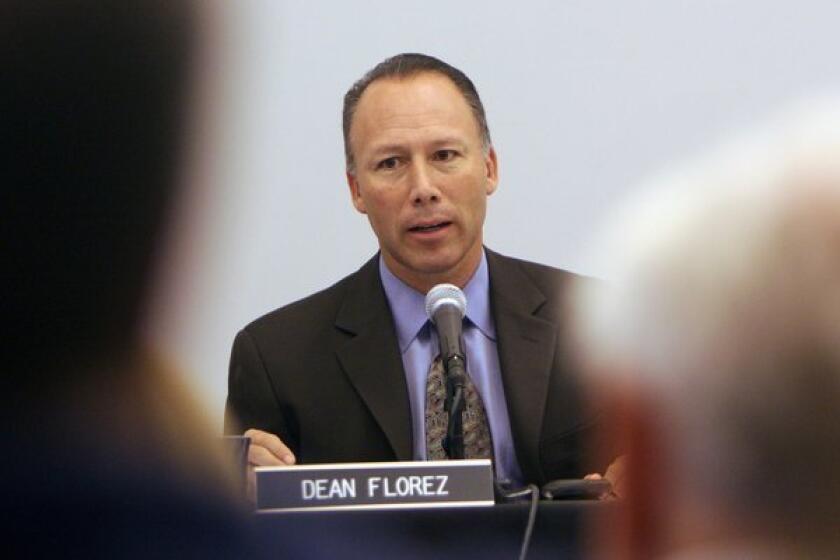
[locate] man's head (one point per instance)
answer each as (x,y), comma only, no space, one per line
(403,66)
(95,95)
(720,329)
(420,166)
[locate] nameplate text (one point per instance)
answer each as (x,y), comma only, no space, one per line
(407,484)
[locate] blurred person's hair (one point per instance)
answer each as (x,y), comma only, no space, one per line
(408,65)
(722,302)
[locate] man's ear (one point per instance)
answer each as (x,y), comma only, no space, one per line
(491,164)
(356,193)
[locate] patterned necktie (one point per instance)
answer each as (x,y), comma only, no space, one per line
(477,441)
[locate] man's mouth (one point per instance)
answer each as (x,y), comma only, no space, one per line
(429,227)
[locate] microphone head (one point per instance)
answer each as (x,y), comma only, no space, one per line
(445,295)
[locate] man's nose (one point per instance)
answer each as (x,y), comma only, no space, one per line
(423,189)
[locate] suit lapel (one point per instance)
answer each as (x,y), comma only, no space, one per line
(370,357)
(526,345)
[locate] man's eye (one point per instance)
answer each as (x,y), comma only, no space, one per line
(389,163)
(444,155)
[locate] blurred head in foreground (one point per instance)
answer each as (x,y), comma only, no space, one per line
(104,454)
(718,333)
(93,100)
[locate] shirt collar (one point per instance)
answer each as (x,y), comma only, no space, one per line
(408,306)
(477,292)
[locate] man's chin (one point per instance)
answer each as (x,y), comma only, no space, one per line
(430,267)
(439,270)
(435,265)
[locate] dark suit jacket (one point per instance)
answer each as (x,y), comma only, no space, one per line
(326,376)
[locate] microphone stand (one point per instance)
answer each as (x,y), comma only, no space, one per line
(448,320)
(454,404)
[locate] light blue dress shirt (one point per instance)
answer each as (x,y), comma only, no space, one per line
(419,346)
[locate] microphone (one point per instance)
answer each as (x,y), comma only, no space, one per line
(446,307)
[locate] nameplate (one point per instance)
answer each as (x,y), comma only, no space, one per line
(407,484)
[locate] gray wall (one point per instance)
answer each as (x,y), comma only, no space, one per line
(584,99)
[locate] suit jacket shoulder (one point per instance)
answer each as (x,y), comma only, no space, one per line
(531,286)
(325,375)
(299,314)
(272,343)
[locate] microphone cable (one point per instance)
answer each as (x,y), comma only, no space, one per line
(514,495)
(532,518)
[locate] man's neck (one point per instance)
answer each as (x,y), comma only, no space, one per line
(423,282)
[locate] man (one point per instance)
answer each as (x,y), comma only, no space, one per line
(341,375)
(719,336)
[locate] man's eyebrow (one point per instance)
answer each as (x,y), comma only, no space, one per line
(450,141)
(395,148)
(386,148)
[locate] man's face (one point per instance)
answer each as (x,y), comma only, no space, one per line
(422,176)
